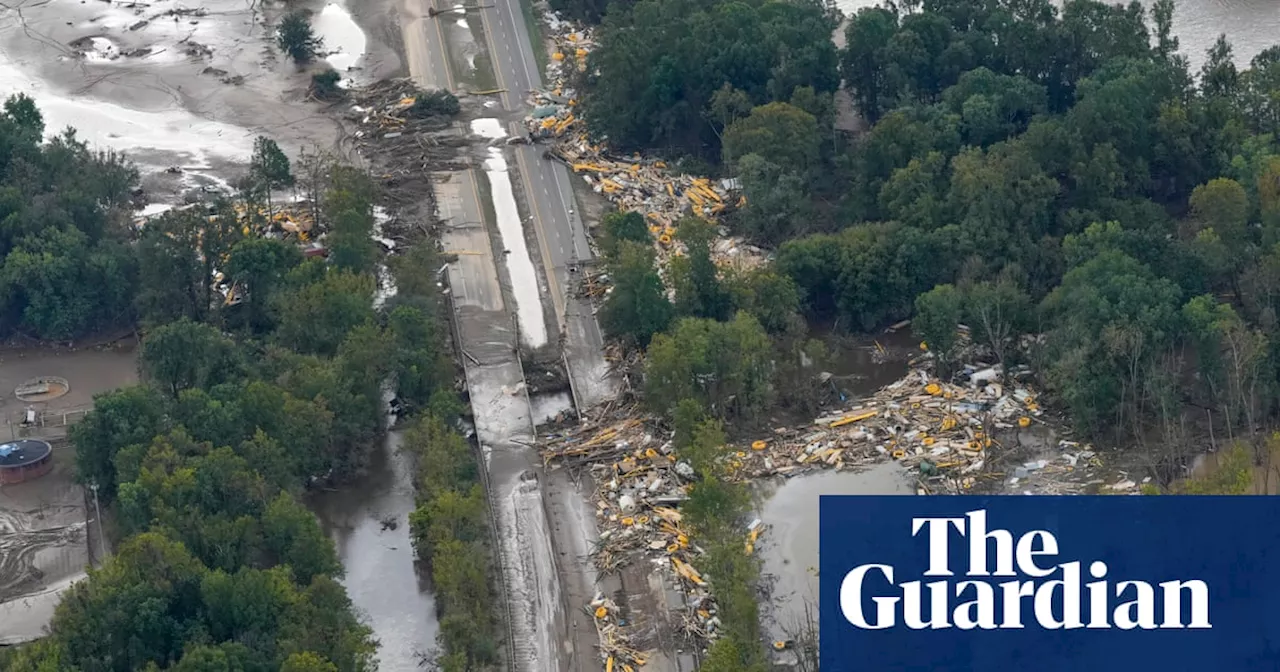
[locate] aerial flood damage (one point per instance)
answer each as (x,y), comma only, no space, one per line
(599,567)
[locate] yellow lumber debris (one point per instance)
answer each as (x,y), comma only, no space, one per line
(850,419)
(683,569)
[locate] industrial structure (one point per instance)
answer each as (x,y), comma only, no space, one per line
(24,460)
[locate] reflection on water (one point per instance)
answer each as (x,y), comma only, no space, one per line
(368,520)
(789,548)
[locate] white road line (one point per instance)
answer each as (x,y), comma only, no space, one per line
(525,63)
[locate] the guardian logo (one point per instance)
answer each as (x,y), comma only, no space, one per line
(1039,590)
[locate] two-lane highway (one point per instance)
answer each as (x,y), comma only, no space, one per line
(561,233)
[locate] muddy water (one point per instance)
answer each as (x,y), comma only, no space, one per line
(789,547)
(368,521)
(547,407)
(1250,25)
(524,279)
(344,42)
(862,365)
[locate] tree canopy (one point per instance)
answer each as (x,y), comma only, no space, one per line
(1013,155)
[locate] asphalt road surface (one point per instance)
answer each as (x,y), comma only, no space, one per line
(561,233)
(547,577)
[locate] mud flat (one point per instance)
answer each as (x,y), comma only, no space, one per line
(179,86)
(43,548)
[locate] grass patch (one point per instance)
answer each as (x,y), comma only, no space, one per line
(534,24)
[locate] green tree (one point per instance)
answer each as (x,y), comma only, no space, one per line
(1109,318)
(367,356)
(63,285)
(307,661)
(416,272)
(257,266)
(786,134)
(186,354)
(327,85)
(435,103)
(1218,75)
(660,64)
(120,418)
(294,538)
(779,205)
(637,307)
(698,290)
(621,227)
(865,61)
(1260,104)
(770,297)
(916,194)
(938,314)
(998,312)
(21,110)
(134,610)
(296,39)
(726,366)
(421,366)
(269,168)
(316,317)
(1222,205)
(179,253)
(348,206)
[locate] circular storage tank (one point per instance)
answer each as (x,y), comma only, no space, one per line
(24,460)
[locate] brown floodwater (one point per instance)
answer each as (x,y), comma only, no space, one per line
(789,547)
(368,520)
(860,365)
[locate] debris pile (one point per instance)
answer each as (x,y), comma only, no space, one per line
(943,431)
(404,147)
(632,183)
(639,485)
(616,651)
(946,433)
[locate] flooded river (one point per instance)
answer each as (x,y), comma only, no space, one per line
(789,548)
(368,520)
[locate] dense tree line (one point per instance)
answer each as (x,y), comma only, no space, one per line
(1055,178)
(1026,169)
(450,525)
(450,529)
(245,402)
(66,269)
(716,511)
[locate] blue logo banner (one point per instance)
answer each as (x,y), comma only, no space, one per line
(1049,584)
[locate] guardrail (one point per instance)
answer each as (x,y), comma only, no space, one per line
(494,540)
